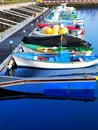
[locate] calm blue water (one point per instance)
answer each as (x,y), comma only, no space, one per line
(91,25)
(49,114)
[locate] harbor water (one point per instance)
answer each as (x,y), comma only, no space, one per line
(23,112)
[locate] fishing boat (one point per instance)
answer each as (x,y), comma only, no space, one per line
(66,18)
(63,7)
(61,61)
(81,87)
(65,40)
(33,48)
(75,30)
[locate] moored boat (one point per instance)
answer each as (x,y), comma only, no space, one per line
(65,40)
(81,87)
(46,29)
(33,48)
(61,61)
(67,18)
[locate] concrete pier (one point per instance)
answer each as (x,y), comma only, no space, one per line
(15,33)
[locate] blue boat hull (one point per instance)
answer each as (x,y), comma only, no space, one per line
(81,89)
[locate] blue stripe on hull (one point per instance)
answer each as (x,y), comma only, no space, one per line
(56,85)
(56,92)
(70,85)
(87,93)
(73,89)
(82,85)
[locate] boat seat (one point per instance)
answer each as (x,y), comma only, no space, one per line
(81,59)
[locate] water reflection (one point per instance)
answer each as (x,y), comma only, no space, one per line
(92,12)
(79,95)
(34,72)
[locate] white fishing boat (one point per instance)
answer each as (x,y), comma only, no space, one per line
(68,18)
(54,44)
(46,61)
(46,29)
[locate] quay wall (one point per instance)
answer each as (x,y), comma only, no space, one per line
(76,3)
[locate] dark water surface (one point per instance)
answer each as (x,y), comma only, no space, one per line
(49,114)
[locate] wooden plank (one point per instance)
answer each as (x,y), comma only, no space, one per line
(27,10)
(24,15)
(13,14)
(6,24)
(17,11)
(29,7)
(37,6)
(24,10)
(8,20)
(35,9)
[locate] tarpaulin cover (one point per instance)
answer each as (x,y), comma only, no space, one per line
(67,40)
